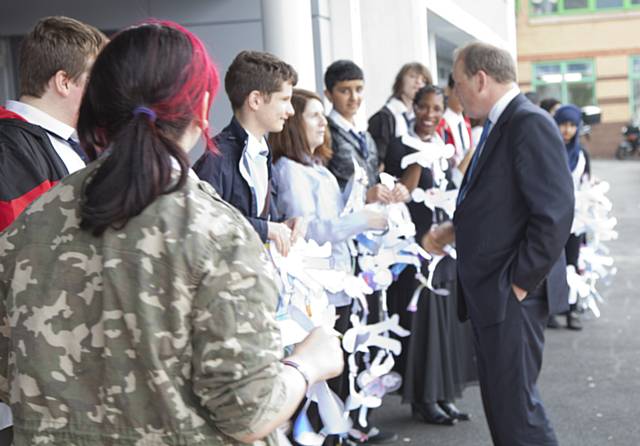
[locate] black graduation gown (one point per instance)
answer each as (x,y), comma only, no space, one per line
(437,361)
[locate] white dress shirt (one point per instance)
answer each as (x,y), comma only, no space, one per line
(6,419)
(501,104)
(401,114)
(58,132)
(343,123)
(254,169)
(461,139)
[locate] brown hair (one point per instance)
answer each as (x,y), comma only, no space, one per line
(255,70)
(54,44)
(292,142)
(494,61)
(411,66)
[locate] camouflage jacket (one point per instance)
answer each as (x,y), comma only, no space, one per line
(161,333)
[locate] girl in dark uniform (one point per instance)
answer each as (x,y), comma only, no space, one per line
(437,361)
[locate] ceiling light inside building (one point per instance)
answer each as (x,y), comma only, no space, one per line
(573,77)
(552,78)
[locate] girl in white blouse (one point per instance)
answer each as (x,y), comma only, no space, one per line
(306,188)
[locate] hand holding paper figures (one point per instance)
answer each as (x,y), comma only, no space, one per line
(438,237)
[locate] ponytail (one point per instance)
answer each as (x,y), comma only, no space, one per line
(135,112)
(137,170)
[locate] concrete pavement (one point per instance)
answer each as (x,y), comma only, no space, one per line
(590,380)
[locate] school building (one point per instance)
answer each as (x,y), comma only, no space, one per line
(583,52)
(380,35)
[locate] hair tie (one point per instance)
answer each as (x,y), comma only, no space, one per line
(145,111)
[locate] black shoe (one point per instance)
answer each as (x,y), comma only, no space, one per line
(552,322)
(432,414)
(452,411)
(372,436)
(573,321)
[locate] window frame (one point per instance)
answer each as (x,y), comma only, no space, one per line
(590,9)
(633,76)
(564,91)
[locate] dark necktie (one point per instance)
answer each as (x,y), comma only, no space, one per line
(474,160)
(462,141)
(75,145)
(361,137)
(409,120)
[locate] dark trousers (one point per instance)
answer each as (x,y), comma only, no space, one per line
(572,250)
(6,436)
(509,361)
(572,254)
(340,384)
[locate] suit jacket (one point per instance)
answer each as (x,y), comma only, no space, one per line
(515,219)
(222,171)
(344,146)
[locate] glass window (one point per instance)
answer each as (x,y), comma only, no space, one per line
(550,7)
(576,72)
(635,98)
(583,68)
(545,6)
(549,73)
(567,81)
(634,81)
(576,4)
(580,94)
(609,4)
(549,91)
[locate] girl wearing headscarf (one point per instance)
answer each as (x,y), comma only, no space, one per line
(569,118)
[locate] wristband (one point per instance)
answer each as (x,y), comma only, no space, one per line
(301,369)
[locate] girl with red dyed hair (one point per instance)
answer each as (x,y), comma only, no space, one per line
(137,307)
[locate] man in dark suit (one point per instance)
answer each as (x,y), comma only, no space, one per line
(513,218)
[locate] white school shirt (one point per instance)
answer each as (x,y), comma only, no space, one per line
(6,418)
(58,132)
(342,122)
(400,113)
(254,169)
(461,139)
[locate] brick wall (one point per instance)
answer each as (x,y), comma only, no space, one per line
(604,140)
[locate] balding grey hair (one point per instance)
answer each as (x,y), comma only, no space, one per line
(496,62)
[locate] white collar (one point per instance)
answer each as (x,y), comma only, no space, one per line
(502,103)
(342,122)
(36,116)
(411,139)
(396,106)
(451,116)
(256,147)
